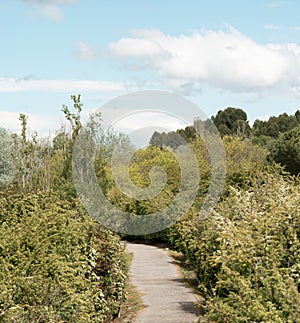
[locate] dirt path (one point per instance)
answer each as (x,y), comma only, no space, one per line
(166,298)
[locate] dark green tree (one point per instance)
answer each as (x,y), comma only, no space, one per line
(275,126)
(188,134)
(286,150)
(171,139)
(232,121)
(156,139)
(297,115)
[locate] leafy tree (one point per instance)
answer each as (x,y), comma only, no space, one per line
(63,147)
(171,139)
(182,137)
(204,126)
(263,141)
(188,134)
(32,159)
(174,139)
(275,126)
(297,115)
(286,150)
(244,160)
(75,122)
(232,121)
(156,139)
(139,169)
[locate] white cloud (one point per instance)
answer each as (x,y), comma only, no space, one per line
(277,4)
(43,124)
(144,119)
(141,125)
(53,12)
(226,60)
(263,118)
(272,27)
(138,47)
(85,51)
(30,84)
(51,9)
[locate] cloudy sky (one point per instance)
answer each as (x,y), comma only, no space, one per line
(216,53)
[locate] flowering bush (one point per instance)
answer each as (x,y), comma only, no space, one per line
(247,253)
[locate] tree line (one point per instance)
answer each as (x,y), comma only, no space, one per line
(279,134)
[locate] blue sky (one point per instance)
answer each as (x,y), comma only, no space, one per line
(217,53)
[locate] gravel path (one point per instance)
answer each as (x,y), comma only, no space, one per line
(156,277)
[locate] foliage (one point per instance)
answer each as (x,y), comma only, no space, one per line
(7,165)
(139,168)
(182,137)
(246,254)
(286,150)
(42,165)
(232,121)
(275,126)
(32,160)
(171,139)
(244,160)
(264,141)
(57,265)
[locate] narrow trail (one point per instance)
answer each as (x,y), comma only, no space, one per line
(156,277)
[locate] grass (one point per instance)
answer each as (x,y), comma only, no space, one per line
(133,303)
(189,277)
(185,269)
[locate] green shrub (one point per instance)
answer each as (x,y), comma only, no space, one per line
(247,253)
(286,150)
(57,265)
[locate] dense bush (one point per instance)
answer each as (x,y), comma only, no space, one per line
(244,160)
(246,254)
(57,265)
(286,150)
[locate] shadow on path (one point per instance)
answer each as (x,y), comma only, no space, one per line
(166,297)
